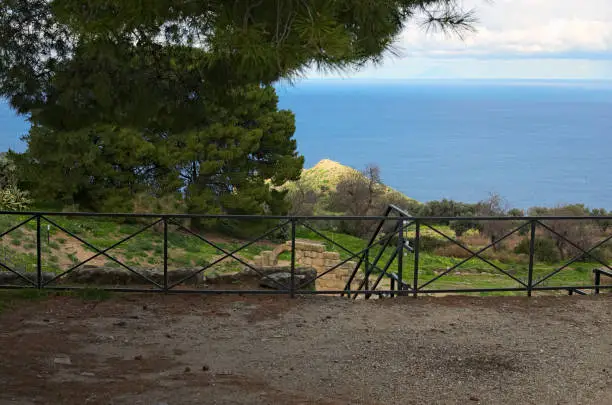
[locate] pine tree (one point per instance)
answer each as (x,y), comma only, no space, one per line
(164,96)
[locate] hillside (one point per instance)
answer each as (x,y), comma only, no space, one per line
(324,177)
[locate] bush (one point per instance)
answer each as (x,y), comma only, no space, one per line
(251,229)
(507,257)
(13,199)
(431,243)
(452,251)
(464,227)
(544,249)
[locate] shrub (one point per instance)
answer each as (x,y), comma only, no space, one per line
(544,249)
(431,243)
(464,227)
(452,251)
(506,256)
(13,199)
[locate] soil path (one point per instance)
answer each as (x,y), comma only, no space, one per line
(183,349)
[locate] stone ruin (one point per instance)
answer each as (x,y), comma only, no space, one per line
(308,254)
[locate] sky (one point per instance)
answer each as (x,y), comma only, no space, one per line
(518,39)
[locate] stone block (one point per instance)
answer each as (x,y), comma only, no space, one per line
(331,255)
(318,262)
(318,247)
(301,245)
(330,263)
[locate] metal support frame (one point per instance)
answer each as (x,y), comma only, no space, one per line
(376,258)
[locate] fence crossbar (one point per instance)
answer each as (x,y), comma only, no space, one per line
(474,255)
(102,252)
(477,254)
(226,253)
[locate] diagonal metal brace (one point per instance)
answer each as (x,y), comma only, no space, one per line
(474,254)
(103,252)
(227,253)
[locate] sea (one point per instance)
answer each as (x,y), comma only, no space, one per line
(534,142)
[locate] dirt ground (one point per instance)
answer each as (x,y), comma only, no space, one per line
(184,349)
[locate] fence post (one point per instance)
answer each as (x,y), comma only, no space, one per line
(531,257)
(417,243)
(367,269)
(400,258)
(165,254)
(597,280)
(39,283)
(292,288)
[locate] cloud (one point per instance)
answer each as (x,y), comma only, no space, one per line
(531,39)
(522,28)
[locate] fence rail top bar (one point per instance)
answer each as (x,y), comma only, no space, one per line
(303,218)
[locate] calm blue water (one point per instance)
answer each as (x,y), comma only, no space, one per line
(536,143)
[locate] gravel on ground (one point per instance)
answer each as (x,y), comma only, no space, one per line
(186,349)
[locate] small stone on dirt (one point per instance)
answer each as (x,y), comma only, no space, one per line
(475,399)
(87,374)
(205,368)
(65,360)
(138,357)
(144,307)
(188,369)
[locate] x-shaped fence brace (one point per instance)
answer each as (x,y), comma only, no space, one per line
(575,258)
(227,254)
(102,252)
(5,266)
(474,254)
